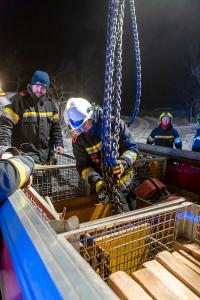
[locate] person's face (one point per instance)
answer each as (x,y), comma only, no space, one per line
(39,90)
(165,121)
(86,126)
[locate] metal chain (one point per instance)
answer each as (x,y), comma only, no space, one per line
(138,62)
(112,99)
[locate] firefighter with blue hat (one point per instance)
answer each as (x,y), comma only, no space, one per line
(31,122)
(165,134)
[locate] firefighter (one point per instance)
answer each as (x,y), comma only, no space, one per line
(196,138)
(30,123)
(165,134)
(85,125)
(15,172)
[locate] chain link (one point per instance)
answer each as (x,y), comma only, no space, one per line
(138,62)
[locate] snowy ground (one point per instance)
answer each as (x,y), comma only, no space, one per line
(141,129)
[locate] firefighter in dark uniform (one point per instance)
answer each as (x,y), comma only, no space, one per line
(30,123)
(85,124)
(165,134)
(196,138)
(15,172)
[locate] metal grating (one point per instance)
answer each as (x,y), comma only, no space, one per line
(150,166)
(126,245)
(59,182)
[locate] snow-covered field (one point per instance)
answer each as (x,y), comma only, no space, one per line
(141,129)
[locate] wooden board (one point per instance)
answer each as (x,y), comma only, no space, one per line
(180,270)
(190,257)
(175,285)
(126,288)
(187,262)
(191,248)
(153,285)
(125,249)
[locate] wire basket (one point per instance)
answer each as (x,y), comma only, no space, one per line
(59,182)
(150,166)
(126,243)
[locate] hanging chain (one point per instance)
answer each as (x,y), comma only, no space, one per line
(112,94)
(138,62)
(112,99)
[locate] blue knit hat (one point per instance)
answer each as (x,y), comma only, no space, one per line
(40,78)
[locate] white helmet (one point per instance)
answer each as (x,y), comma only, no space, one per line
(77,112)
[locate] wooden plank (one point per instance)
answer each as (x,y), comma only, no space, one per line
(175,285)
(180,270)
(152,284)
(126,288)
(190,257)
(191,248)
(187,262)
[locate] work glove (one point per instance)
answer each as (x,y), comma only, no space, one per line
(119,168)
(101,191)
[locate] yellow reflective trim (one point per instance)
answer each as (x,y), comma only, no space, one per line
(131,153)
(86,172)
(22,171)
(37,114)
(12,114)
(164,137)
(99,185)
(94,147)
(55,116)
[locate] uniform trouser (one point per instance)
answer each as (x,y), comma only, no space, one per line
(126,191)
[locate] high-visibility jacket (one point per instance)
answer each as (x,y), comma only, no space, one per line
(14,173)
(32,125)
(196,141)
(87,149)
(165,137)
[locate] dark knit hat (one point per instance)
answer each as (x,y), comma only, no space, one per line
(40,78)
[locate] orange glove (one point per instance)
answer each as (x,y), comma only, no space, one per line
(118,169)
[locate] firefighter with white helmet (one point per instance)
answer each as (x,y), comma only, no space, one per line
(84,121)
(165,134)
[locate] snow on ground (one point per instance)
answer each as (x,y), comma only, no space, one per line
(142,128)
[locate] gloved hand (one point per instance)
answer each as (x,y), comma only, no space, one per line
(101,191)
(118,169)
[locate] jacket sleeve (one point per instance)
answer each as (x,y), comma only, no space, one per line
(56,132)
(127,147)
(177,139)
(85,166)
(8,119)
(14,173)
(151,138)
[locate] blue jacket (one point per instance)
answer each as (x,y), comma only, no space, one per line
(196,141)
(165,137)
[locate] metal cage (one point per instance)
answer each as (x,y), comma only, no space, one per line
(59,182)
(126,243)
(62,181)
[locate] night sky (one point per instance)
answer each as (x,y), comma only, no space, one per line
(71,35)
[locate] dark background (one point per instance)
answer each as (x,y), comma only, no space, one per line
(68,39)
